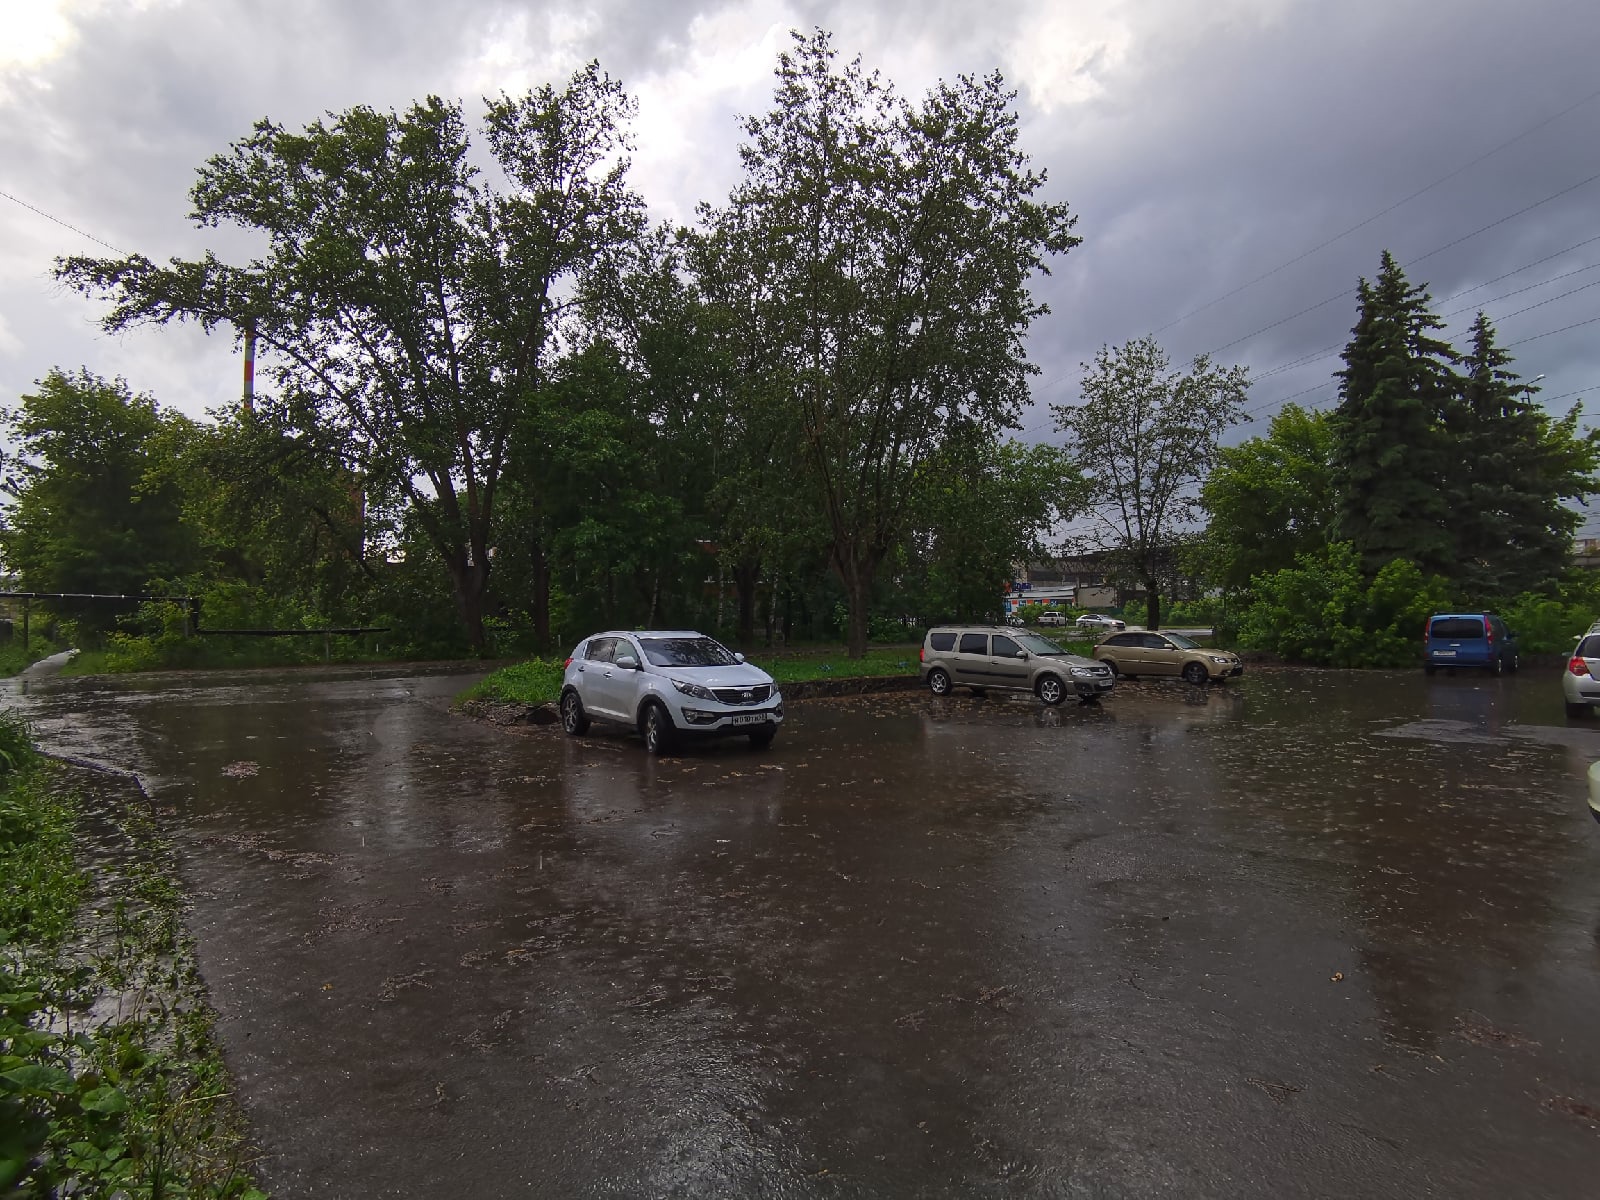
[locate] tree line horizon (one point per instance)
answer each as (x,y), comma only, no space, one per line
(526,406)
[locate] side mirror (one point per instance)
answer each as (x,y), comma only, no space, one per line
(737,657)
(628,662)
(1023,655)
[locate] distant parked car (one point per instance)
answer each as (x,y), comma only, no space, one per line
(668,685)
(1153,653)
(1051,617)
(1100,621)
(1478,639)
(982,657)
(1580,682)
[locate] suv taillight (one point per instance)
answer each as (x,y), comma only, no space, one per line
(1488,631)
(566,664)
(1578,666)
(922,654)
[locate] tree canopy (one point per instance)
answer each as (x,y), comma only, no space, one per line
(888,249)
(1146,436)
(410,307)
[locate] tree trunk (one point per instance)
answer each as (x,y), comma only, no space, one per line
(857,582)
(1152,601)
(746,575)
(540,600)
(471,582)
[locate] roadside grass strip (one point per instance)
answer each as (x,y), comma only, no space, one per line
(110,1082)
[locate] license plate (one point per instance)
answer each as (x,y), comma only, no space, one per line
(748,718)
(1444,653)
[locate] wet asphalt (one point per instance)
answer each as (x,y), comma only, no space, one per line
(1320,934)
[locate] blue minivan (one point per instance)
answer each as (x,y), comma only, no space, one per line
(1469,640)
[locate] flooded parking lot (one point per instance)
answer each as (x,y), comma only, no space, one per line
(1319,933)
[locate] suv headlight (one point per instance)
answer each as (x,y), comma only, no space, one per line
(1084,672)
(1220,661)
(693,689)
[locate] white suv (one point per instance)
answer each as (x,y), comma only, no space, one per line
(668,684)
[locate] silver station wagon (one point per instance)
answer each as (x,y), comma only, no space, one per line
(981,657)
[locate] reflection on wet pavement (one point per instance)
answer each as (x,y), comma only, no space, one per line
(1310,933)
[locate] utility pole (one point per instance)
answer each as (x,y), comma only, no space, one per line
(250,364)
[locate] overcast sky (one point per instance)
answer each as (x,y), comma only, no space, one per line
(1204,145)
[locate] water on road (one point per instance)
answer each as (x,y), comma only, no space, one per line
(1311,933)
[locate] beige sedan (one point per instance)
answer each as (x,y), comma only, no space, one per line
(1141,652)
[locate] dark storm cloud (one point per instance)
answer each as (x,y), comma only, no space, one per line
(1246,149)
(1205,147)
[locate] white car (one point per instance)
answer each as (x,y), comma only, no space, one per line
(1580,682)
(668,685)
(1098,621)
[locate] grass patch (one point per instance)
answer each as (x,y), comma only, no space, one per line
(537,681)
(110,1081)
(15,657)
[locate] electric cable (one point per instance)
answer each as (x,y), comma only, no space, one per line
(1383,212)
(63,224)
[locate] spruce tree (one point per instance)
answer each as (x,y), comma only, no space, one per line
(1518,465)
(1392,460)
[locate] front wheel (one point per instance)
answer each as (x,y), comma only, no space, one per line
(1051,690)
(939,682)
(1499,667)
(657,730)
(1195,673)
(1516,661)
(573,719)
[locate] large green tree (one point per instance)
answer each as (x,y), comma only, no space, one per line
(1145,436)
(409,309)
(91,511)
(1516,466)
(1392,454)
(1269,500)
(982,508)
(890,247)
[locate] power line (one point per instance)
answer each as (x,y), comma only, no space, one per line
(63,224)
(1381,213)
(1551,332)
(1413,261)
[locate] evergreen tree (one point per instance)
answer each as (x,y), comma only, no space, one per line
(1392,460)
(1518,465)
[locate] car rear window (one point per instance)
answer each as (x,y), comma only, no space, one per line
(1589,647)
(944,642)
(1458,627)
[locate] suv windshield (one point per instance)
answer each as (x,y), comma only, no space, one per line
(1181,642)
(1034,644)
(686,652)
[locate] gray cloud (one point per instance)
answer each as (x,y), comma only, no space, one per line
(1200,151)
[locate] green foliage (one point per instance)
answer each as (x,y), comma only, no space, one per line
(1270,499)
(15,656)
(537,681)
(91,515)
(1515,466)
(1391,456)
(1549,621)
(895,244)
(406,309)
(1324,611)
(1145,436)
(983,507)
(110,1084)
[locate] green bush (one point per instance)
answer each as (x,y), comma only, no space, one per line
(1322,611)
(1549,622)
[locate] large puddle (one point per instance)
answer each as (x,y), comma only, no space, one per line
(1309,933)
